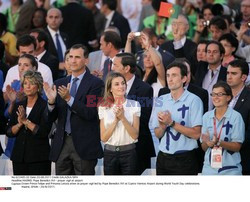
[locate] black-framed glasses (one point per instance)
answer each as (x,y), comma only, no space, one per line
(217,94)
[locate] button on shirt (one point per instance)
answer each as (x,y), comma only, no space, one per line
(187,111)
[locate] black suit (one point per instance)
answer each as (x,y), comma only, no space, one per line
(122,24)
(167,58)
(52,47)
(143,93)
(78,24)
(84,119)
(243,107)
(31,147)
(52,62)
(202,70)
(188,51)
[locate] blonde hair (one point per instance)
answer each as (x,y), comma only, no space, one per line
(35,78)
(108,98)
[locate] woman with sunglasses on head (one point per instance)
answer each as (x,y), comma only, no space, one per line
(223,133)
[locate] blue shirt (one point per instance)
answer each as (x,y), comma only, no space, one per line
(233,130)
(80,77)
(187,111)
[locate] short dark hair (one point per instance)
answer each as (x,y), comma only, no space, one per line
(231,39)
(180,65)
(226,87)
(202,42)
(128,59)
(242,64)
(42,36)
(227,18)
(25,40)
(113,38)
(206,6)
(84,48)
(219,22)
(221,48)
(112,4)
(31,58)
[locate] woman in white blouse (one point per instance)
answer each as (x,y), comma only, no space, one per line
(119,123)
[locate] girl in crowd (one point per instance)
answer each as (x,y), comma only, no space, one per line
(119,127)
(223,132)
(28,123)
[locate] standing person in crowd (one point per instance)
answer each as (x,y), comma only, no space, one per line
(58,41)
(222,135)
(142,92)
(38,20)
(119,124)
(177,121)
(14,92)
(201,51)
(73,103)
(180,46)
(237,73)
(42,53)
(29,124)
(108,8)
(27,45)
(78,23)
(12,14)
(208,73)
(230,44)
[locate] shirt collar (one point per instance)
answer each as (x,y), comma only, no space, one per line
(110,15)
(226,115)
(40,55)
(80,77)
(183,40)
(216,70)
(52,32)
(182,98)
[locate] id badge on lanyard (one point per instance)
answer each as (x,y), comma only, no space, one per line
(216,153)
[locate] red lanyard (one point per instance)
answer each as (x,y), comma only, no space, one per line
(215,131)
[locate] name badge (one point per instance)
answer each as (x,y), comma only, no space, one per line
(216,157)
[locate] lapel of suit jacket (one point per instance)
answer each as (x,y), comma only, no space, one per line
(241,99)
(35,109)
(133,89)
(84,85)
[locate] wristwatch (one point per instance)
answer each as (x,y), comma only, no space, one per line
(218,143)
(172,124)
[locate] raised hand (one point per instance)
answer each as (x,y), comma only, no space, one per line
(11,93)
(50,92)
(145,41)
(21,114)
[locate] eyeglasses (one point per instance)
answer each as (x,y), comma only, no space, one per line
(217,94)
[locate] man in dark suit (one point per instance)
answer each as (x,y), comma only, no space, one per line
(78,23)
(42,53)
(237,73)
(208,73)
(142,92)
(76,145)
(108,8)
(181,47)
(58,41)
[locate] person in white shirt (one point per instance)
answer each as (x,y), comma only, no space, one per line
(120,118)
(27,45)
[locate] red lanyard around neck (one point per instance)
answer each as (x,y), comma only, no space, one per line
(215,130)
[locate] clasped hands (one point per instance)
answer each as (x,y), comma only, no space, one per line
(164,119)
(119,112)
(206,139)
(21,115)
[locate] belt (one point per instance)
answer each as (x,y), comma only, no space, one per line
(119,148)
(67,134)
(184,153)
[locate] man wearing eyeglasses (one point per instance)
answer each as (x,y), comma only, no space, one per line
(208,73)
(237,73)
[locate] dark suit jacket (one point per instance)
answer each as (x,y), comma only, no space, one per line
(243,107)
(84,119)
(1,149)
(2,118)
(31,147)
(200,92)
(52,46)
(167,58)
(188,51)
(143,93)
(78,24)
(122,24)
(202,70)
(52,62)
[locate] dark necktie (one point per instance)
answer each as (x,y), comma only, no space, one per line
(106,68)
(212,73)
(59,49)
(72,93)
